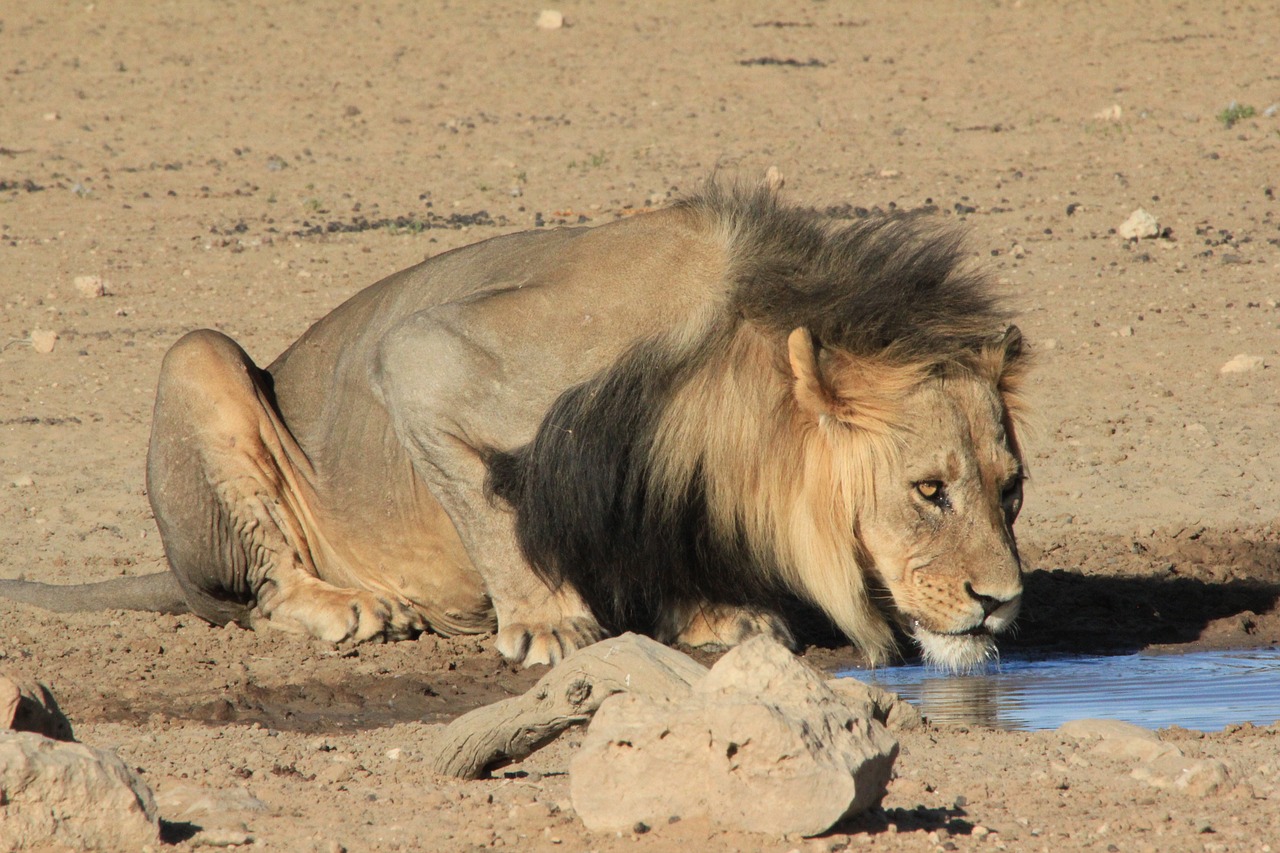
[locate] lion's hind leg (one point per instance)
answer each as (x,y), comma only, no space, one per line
(721,625)
(231,493)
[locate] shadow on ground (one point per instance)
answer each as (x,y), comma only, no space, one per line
(1097,595)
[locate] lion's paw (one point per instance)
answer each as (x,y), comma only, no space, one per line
(343,615)
(723,626)
(531,644)
(382,620)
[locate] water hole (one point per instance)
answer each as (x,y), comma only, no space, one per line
(1206,691)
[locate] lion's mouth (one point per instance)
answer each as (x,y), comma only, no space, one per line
(957,651)
(981,630)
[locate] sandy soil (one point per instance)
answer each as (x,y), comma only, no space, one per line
(246,166)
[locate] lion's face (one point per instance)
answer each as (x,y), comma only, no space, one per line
(939,533)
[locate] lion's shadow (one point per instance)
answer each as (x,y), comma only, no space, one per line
(1068,613)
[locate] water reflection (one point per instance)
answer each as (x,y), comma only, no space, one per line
(1203,690)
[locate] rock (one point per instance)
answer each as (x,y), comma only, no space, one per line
(1111,113)
(90,286)
(1243,364)
(550,19)
(568,695)
(1090,728)
(867,700)
(28,706)
(188,803)
(760,743)
(22,481)
(43,340)
(1176,772)
(1117,739)
(774,179)
(68,795)
(1140,224)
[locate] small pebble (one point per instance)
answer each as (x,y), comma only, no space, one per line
(90,286)
(1242,363)
(1140,224)
(550,19)
(43,340)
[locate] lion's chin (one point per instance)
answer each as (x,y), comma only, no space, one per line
(957,653)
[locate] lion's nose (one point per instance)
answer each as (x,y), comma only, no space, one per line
(989,603)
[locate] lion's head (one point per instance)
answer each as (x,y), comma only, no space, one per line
(926,458)
(839,428)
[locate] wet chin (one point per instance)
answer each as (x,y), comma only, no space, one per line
(959,653)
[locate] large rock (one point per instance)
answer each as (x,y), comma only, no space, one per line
(68,795)
(760,743)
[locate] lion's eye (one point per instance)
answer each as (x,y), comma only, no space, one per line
(1011,497)
(932,491)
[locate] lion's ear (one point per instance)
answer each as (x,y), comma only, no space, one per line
(1004,361)
(861,392)
(811,392)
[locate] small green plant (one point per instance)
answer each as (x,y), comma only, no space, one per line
(1234,113)
(312,204)
(593,161)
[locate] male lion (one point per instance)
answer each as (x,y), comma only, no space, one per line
(670,424)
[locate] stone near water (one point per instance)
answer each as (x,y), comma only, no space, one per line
(760,743)
(1176,772)
(1091,728)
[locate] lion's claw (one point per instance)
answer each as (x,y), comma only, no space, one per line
(531,645)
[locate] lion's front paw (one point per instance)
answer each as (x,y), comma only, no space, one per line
(383,620)
(340,615)
(530,644)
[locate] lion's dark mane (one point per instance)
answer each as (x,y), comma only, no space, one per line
(890,287)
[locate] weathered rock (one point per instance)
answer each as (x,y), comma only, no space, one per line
(28,706)
(193,803)
(70,795)
(1160,764)
(1091,728)
(1243,363)
(566,696)
(1140,224)
(90,286)
(761,743)
(1176,772)
(1118,739)
(867,700)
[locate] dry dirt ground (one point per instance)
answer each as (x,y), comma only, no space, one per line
(247,166)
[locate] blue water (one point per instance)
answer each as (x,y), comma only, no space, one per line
(1202,690)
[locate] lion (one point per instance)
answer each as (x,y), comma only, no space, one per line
(671,424)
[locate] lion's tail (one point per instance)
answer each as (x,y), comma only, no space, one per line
(157,593)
